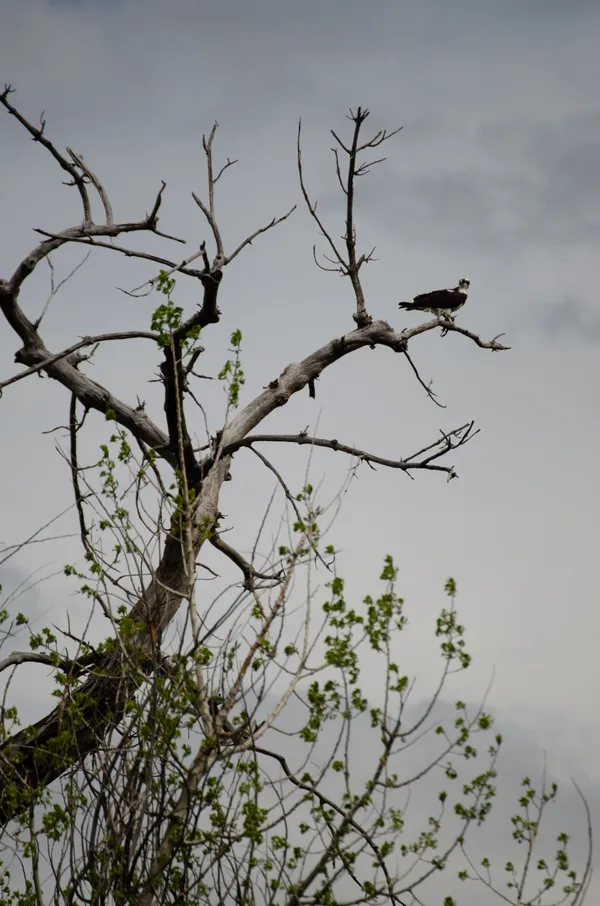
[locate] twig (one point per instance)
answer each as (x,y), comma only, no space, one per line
(426,387)
(54,289)
(209,212)
(225,166)
(290,498)
(275,222)
(32,539)
(313,207)
(73,464)
(177,267)
(464,431)
(587,874)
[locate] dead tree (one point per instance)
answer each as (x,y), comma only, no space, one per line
(33,757)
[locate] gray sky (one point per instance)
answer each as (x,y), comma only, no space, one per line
(496,176)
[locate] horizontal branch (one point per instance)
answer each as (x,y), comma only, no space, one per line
(31,657)
(25,657)
(82,234)
(133,253)
(81,344)
(490,344)
(450,327)
(449,441)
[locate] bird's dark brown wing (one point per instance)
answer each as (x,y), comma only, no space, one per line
(442,299)
(437,299)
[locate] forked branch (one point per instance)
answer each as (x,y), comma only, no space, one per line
(348,265)
(81,344)
(448,441)
(209,209)
(86,233)
(37,134)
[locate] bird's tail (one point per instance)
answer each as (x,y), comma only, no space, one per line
(406,305)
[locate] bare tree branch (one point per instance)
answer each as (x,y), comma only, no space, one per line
(211,222)
(450,441)
(16,658)
(78,160)
(81,344)
(313,207)
(587,872)
(275,222)
(85,232)
(350,265)
(226,166)
(426,387)
(362,316)
(250,574)
(74,427)
(38,136)
(54,288)
(493,344)
(450,327)
(209,211)
(183,268)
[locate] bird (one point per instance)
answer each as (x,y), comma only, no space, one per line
(441,302)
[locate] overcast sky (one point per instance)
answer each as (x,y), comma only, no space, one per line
(495,176)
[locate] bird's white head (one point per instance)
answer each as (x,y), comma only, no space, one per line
(464,284)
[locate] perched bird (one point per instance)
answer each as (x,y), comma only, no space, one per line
(441,302)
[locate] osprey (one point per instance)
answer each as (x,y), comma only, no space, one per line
(441,302)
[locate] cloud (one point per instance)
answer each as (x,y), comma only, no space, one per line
(572,318)
(495,175)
